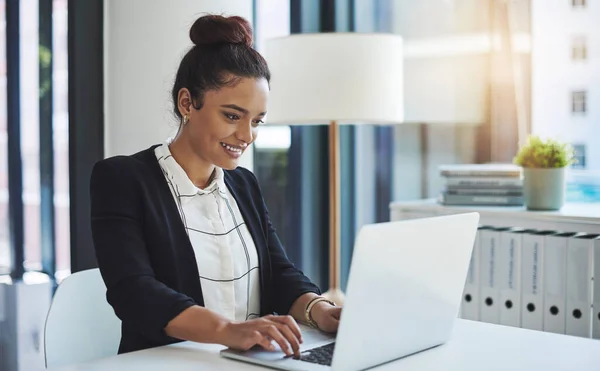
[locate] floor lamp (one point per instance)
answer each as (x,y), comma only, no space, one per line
(333,79)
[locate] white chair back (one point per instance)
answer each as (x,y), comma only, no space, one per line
(81,326)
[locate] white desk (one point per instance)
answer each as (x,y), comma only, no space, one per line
(475,346)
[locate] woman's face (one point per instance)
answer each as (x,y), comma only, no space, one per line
(227,123)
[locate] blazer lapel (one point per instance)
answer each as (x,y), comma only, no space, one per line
(173,219)
(252,220)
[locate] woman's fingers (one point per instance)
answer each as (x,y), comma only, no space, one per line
(275,334)
(264,341)
(282,330)
(291,338)
(291,323)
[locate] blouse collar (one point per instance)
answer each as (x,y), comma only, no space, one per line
(179,180)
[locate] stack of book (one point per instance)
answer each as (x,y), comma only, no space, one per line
(482,185)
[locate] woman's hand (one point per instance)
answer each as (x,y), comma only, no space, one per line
(261,331)
(326,316)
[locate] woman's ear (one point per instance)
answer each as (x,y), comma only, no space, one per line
(184,102)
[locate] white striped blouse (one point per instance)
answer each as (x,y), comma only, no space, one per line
(225,252)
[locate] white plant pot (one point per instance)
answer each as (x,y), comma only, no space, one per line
(544,189)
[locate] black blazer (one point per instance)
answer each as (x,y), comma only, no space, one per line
(146,258)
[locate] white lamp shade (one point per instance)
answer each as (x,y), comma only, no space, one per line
(347,77)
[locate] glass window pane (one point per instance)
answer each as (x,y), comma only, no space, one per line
(443,41)
(272,20)
(61,137)
(4,232)
(565,100)
(273,141)
(30,132)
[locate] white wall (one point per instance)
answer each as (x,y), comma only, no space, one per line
(144,43)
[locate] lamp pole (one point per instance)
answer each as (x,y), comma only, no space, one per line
(334,293)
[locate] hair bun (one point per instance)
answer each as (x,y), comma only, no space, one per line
(216,29)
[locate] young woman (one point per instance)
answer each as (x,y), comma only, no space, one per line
(182,235)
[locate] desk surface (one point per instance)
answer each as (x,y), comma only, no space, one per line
(474,346)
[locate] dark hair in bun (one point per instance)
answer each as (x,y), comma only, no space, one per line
(214,29)
(221,55)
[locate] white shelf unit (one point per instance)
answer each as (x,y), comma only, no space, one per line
(573,217)
(578,218)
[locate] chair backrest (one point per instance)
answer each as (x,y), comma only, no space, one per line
(81,326)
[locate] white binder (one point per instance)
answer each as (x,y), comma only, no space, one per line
(470,302)
(555,281)
(509,276)
(596,290)
(2,305)
(532,279)
(580,285)
(489,309)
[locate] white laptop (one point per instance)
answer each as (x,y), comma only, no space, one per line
(403,295)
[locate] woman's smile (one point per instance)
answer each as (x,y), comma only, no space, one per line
(233,151)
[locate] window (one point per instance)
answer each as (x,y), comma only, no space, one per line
(579,156)
(579,102)
(4,222)
(273,141)
(288,160)
(447,126)
(42,120)
(61,138)
(30,134)
(562,101)
(579,48)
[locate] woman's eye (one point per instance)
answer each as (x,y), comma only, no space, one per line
(232,116)
(258,122)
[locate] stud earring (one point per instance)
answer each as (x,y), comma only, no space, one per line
(185,120)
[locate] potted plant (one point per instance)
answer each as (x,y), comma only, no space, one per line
(544,164)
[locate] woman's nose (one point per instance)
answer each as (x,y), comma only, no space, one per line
(245,133)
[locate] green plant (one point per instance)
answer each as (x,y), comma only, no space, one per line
(549,153)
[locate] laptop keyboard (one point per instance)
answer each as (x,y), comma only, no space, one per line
(321,355)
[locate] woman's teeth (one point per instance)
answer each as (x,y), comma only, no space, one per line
(231,149)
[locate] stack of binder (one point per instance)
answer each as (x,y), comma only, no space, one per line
(535,279)
(482,185)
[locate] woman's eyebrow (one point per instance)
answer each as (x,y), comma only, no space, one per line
(236,107)
(240,109)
